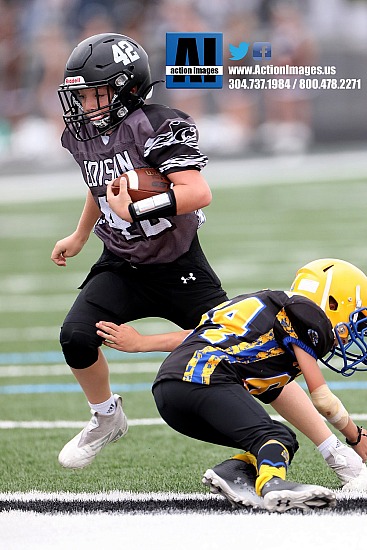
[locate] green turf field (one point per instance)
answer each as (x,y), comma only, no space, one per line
(255,237)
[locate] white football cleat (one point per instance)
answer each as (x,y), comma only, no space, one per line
(100,430)
(345,462)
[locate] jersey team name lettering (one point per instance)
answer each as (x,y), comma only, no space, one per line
(100,173)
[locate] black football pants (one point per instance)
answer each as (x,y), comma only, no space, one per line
(118,292)
(223,414)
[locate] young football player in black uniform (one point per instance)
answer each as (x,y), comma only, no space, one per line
(253,346)
(152,264)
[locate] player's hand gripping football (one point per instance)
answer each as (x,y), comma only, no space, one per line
(120,203)
(66,248)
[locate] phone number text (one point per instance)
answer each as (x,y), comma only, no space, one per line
(294,84)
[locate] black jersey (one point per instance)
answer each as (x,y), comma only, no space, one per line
(156,136)
(248,340)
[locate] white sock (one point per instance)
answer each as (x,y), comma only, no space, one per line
(107,407)
(331,441)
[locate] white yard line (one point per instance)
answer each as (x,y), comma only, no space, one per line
(61,369)
(57,424)
(46,425)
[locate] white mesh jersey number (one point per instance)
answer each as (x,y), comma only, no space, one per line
(150,229)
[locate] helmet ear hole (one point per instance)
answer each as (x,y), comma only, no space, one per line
(333,304)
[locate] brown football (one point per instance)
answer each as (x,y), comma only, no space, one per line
(143,183)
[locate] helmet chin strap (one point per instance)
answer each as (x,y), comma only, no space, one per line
(358,296)
(358,302)
(148,91)
(325,296)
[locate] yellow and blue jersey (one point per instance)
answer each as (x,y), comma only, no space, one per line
(248,340)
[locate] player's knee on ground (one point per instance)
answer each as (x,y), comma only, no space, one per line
(79,344)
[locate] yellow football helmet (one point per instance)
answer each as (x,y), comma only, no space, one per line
(340,289)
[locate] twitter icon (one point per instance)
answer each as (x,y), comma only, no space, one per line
(238,52)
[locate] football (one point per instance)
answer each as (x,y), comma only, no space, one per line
(142,183)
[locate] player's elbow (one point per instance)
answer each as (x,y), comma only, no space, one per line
(191,189)
(205,197)
(189,200)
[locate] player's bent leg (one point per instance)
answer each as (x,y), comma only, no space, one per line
(100,430)
(80,344)
(81,349)
(235,480)
(279,494)
(104,295)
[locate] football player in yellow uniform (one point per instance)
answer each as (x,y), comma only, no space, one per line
(249,350)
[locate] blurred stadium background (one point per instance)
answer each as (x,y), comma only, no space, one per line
(37,36)
(253,138)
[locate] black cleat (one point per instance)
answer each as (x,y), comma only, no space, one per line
(235,480)
(280,496)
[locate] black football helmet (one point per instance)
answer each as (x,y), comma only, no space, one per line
(111,60)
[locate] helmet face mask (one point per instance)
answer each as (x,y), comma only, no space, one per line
(340,289)
(351,345)
(79,121)
(105,60)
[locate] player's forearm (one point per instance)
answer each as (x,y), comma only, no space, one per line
(162,342)
(294,405)
(356,437)
(350,431)
(88,218)
(127,338)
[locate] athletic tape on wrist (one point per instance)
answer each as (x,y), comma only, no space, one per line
(158,206)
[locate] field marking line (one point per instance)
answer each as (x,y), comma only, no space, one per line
(52,424)
(47,425)
(129,496)
(61,369)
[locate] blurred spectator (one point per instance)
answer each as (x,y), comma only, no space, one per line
(287,127)
(287,124)
(36,37)
(13,103)
(33,40)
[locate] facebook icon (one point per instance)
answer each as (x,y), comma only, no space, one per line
(261,51)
